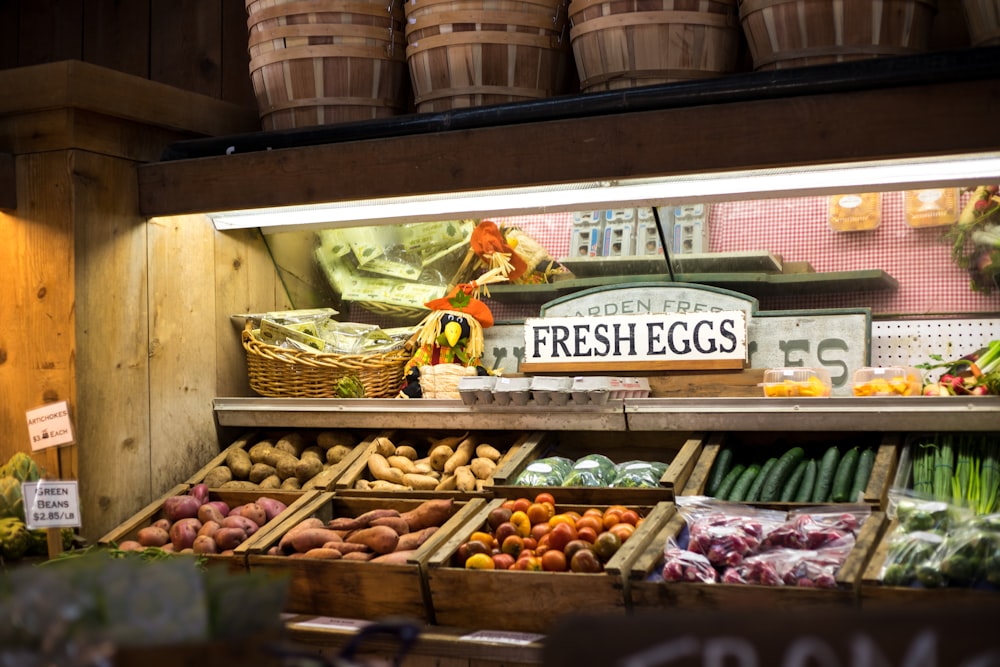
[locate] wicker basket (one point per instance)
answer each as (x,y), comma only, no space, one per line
(796,33)
(471,53)
(625,44)
(287,373)
(326,61)
(983,20)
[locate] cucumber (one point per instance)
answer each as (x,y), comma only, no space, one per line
(808,482)
(791,487)
(866,461)
(720,468)
(753,493)
(824,476)
(739,491)
(730,481)
(845,475)
(780,473)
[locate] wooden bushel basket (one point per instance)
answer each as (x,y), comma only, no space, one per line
(983,20)
(471,53)
(326,61)
(796,33)
(629,43)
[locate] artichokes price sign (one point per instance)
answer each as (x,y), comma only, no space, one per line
(680,341)
(51,504)
(50,426)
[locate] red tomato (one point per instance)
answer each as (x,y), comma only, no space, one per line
(554,561)
(545,497)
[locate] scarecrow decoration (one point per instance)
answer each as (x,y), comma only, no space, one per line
(518,256)
(450,341)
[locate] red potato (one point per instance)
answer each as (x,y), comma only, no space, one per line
(252,511)
(220,505)
(163,523)
(236,521)
(176,508)
(209,512)
(230,537)
(204,544)
(130,545)
(272,507)
(153,536)
(200,492)
(183,533)
(209,528)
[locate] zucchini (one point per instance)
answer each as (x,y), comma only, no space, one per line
(780,473)
(866,461)
(824,476)
(730,481)
(844,475)
(720,468)
(739,490)
(753,493)
(791,487)
(808,482)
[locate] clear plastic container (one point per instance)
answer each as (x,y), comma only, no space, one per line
(887,381)
(476,389)
(512,390)
(796,382)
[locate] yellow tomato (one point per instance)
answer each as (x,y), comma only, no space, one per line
(480,562)
(521,522)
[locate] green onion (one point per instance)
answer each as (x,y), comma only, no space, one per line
(944,464)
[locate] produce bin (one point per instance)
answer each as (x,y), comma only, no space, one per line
(422,449)
(678,451)
(339,448)
(520,601)
(875,594)
(129,530)
(647,593)
(355,589)
(760,446)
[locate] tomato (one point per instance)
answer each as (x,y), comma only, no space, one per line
(607,544)
(521,522)
(622,530)
(498,515)
(630,516)
(587,534)
(561,535)
(540,529)
(573,547)
(573,515)
(593,511)
(505,530)
(554,561)
(480,562)
(530,563)
(530,543)
(562,518)
(480,536)
(585,560)
(503,561)
(512,545)
(508,504)
(521,504)
(590,522)
(540,513)
(611,517)
(545,497)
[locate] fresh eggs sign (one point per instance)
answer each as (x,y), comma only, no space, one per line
(665,341)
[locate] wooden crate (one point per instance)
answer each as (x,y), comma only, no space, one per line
(522,601)
(237,561)
(355,589)
(876,595)
(876,493)
(509,443)
(250,438)
(646,594)
(680,450)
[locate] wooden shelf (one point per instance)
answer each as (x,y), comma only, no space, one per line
(709,262)
(752,284)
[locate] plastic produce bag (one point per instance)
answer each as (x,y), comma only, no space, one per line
(817,527)
(638,474)
(725,533)
(548,471)
(682,565)
(594,470)
(809,568)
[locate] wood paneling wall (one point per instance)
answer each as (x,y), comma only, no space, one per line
(195,45)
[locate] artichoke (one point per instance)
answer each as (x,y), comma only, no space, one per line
(15,539)
(11,501)
(22,468)
(350,386)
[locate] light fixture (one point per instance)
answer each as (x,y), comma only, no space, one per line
(843,178)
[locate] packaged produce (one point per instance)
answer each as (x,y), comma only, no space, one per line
(683,565)
(887,381)
(962,469)
(591,470)
(810,568)
(548,471)
(796,382)
(638,474)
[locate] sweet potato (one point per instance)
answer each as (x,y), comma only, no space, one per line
(384,446)
(323,553)
(184,532)
(380,539)
(247,525)
(411,541)
(482,467)
(313,538)
(378,466)
(397,557)
(230,537)
(205,544)
(285,543)
(401,462)
(382,485)
(176,508)
(362,520)
(432,512)
(464,479)
(488,451)
(397,523)
(409,451)
(447,483)
(350,547)
(462,456)
(359,555)
(152,536)
(440,455)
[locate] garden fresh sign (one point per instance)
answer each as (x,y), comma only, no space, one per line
(665,341)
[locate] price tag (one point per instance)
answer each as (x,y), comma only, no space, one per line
(50,426)
(498,637)
(51,504)
(330,623)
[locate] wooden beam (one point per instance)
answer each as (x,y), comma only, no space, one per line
(8,183)
(897,122)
